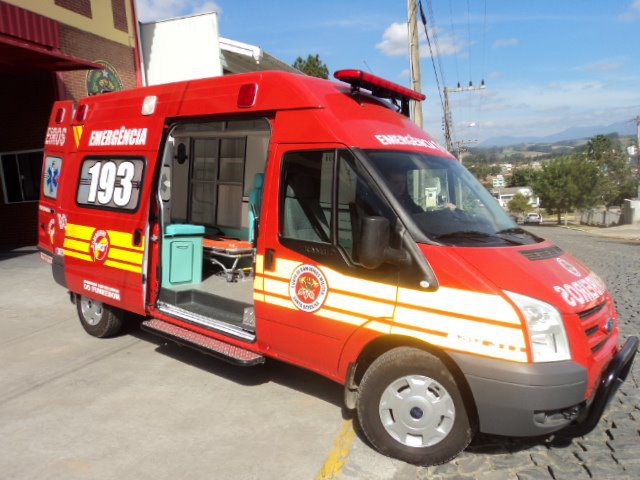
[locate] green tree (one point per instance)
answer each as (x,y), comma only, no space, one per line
(519,204)
(618,181)
(523,177)
(312,66)
(567,183)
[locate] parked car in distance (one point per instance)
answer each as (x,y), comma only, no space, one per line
(533,217)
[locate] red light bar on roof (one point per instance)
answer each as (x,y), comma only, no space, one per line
(379,86)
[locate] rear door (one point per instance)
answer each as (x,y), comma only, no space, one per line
(57,143)
(106,203)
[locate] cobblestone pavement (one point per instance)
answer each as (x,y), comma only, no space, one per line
(612,450)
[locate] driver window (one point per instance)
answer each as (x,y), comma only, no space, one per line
(307,179)
(356,200)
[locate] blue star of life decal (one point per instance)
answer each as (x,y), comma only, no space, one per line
(52,176)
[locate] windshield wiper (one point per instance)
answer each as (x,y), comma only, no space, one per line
(512,230)
(475,234)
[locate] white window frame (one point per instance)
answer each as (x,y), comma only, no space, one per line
(4,184)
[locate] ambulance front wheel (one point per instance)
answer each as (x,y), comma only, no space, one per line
(98,319)
(410,408)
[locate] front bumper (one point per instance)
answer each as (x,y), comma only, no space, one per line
(528,399)
(612,378)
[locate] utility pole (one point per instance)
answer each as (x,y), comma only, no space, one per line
(447,112)
(637,119)
(414,61)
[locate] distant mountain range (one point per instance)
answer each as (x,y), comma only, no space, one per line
(573,133)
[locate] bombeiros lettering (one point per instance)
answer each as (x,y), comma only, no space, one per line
(118,137)
(581,291)
(56,136)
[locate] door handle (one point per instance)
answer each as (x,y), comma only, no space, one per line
(137,237)
(269,259)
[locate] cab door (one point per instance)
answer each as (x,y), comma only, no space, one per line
(315,293)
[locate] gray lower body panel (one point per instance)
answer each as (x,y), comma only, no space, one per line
(517,399)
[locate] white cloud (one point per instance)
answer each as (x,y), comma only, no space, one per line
(395,41)
(522,110)
(150,10)
(505,42)
(603,65)
(632,13)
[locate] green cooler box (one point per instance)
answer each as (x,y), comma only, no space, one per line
(182,254)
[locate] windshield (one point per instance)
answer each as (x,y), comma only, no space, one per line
(445,201)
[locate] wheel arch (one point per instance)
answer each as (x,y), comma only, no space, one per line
(385,343)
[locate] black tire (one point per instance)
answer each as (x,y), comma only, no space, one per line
(98,319)
(395,366)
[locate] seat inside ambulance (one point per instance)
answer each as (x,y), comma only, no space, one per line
(210,193)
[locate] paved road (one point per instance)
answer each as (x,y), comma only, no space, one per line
(72,406)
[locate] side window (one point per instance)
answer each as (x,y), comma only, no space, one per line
(110,183)
(306,192)
(356,200)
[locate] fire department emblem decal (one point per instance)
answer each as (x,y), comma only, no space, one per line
(51,230)
(308,288)
(568,267)
(99,245)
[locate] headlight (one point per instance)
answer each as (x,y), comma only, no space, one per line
(547,336)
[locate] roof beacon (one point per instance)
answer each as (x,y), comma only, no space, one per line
(379,87)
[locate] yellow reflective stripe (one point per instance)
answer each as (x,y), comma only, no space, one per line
(76,245)
(259,263)
(471,342)
(124,239)
(79,231)
(362,306)
(463,302)
(81,256)
(340,316)
(278,287)
(281,302)
(125,255)
(258,297)
(123,266)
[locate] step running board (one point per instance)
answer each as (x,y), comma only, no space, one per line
(210,323)
(211,346)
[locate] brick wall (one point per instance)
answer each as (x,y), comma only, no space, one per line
(83,7)
(91,47)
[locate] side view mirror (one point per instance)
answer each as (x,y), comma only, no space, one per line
(374,249)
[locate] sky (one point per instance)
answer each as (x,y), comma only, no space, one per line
(547,64)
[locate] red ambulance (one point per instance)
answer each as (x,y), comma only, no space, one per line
(277,215)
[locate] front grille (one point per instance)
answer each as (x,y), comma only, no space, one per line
(592,321)
(598,346)
(591,311)
(542,253)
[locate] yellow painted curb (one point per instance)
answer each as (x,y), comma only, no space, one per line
(339,453)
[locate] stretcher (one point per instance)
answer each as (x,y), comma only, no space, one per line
(234,257)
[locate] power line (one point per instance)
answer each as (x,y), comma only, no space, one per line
(433,62)
(453,33)
(469,35)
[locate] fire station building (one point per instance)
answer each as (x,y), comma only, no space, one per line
(52,50)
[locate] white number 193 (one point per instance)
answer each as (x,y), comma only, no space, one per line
(103,183)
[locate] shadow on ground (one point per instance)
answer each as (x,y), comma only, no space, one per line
(289,376)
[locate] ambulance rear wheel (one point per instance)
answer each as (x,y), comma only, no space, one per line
(98,319)
(410,408)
